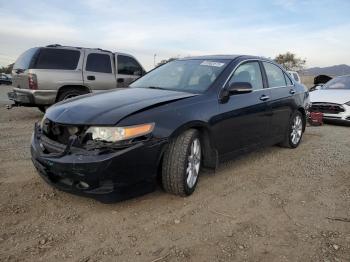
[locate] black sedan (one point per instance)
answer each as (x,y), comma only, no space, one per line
(185,115)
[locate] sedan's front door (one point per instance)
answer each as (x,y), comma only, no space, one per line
(244,119)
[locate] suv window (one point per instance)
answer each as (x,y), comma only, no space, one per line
(98,63)
(248,72)
(275,75)
(289,82)
(128,66)
(25,59)
(50,58)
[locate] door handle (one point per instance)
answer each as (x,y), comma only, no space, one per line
(120,80)
(90,77)
(292,91)
(264,97)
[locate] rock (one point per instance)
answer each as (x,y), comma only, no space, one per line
(241,247)
(42,241)
(336,247)
(177,221)
(138,253)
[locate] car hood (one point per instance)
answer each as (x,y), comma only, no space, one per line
(340,96)
(108,108)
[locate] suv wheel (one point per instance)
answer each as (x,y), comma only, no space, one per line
(294,131)
(182,163)
(66,94)
(43,108)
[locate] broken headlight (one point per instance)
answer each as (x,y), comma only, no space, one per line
(115,134)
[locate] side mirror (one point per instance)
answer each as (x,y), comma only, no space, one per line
(240,88)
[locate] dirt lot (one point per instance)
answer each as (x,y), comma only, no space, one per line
(270,205)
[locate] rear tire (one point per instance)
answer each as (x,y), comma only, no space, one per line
(294,131)
(69,93)
(43,108)
(181,164)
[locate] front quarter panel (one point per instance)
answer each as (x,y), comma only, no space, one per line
(172,118)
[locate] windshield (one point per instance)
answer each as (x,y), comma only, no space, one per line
(24,60)
(194,75)
(342,82)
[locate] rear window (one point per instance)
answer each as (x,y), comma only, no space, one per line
(25,59)
(274,75)
(99,63)
(296,77)
(49,58)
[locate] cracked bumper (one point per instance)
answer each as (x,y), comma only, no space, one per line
(110,177)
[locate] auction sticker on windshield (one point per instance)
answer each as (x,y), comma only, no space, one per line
(211,63)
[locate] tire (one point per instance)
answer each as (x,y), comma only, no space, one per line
(69,93)
(42,108)
(294,132)
(181,164)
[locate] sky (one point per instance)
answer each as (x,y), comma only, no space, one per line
(317,30)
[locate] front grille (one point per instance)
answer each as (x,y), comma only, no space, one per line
(327,108)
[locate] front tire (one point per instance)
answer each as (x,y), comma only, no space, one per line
(182,163)
(294,131)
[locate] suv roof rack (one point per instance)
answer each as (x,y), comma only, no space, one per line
(78,47)
(53,45)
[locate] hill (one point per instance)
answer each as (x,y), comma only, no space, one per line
(335,70)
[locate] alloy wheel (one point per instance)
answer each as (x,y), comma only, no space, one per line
(297,129)
(194,161)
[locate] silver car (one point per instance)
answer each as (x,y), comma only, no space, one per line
(42,76)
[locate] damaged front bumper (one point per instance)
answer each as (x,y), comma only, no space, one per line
(106,176)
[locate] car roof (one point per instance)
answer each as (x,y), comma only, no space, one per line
(229,57)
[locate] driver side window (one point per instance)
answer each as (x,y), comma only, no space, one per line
(248,72)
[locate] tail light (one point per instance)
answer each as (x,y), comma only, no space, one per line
(32,81)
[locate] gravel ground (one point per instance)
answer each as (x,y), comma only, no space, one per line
(270,205)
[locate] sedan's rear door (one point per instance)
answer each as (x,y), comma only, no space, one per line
(281,99)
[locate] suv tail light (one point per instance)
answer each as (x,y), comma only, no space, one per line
(32,81)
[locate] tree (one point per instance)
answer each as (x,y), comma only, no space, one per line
(6,69)
(290,61)
(164,61)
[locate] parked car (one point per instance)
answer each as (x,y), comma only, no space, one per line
(184,115)
(333,100)
(43,76)
(295,76)
(5,79)
(319,81)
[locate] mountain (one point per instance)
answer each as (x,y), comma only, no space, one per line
(335,70)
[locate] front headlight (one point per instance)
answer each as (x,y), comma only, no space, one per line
(42,122)
(114,134)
